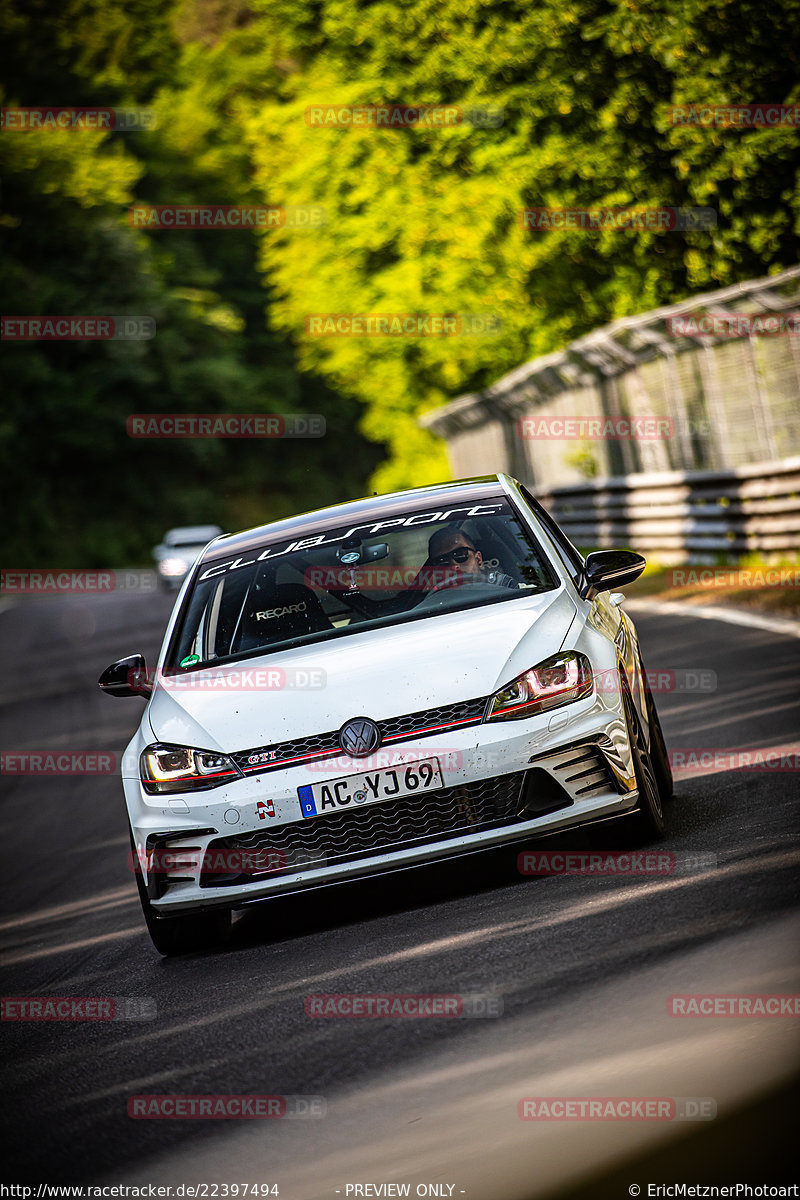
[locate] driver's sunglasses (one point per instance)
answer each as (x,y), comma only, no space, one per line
(459,555)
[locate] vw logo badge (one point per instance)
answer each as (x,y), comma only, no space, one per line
(359,737)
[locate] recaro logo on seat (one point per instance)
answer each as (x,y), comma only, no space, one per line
(270,614)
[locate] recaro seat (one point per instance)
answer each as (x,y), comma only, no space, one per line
(275,614)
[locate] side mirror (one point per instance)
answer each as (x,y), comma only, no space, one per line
(607,569)
(128,677)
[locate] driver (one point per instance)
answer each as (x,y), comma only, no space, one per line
(453,549)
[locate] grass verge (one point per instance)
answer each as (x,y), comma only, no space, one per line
(751,583)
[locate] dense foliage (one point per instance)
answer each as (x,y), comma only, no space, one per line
(418,219)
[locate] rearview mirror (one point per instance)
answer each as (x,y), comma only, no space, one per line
(353,552)
(607,569)
(128,677)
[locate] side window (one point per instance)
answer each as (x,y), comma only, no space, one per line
(572,560)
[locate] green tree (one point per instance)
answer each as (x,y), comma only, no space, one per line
(83,491)
(428,219)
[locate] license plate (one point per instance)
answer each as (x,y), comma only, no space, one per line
(372,787)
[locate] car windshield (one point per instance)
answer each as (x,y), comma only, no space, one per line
(409,566)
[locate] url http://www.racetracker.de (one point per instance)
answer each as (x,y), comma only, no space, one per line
(192,1191)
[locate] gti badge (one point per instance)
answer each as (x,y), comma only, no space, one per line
(359,737)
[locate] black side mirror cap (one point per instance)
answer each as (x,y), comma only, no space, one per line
(128,677)
(605,570)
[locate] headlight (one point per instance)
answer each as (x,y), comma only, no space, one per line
(182,769)
(556,681)
(172,568)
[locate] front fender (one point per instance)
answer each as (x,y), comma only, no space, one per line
(630,665)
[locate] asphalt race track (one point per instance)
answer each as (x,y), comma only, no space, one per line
(584,967)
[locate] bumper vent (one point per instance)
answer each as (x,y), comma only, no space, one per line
(582,771)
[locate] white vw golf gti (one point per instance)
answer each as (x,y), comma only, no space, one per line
(375,686)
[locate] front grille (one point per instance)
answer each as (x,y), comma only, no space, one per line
(283,754)
(377,828)
(433,720)
(326,745)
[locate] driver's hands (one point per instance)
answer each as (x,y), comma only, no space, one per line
(500,579)
(433,578)
(437,579)
(455,579)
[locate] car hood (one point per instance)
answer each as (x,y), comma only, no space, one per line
(380,673)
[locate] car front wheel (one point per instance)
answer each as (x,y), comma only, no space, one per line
(658,747)
(180,935)
(647,819)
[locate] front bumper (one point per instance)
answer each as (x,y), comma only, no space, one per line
(504,782)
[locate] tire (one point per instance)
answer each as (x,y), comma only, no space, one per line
(647,820)
(180,935)
(658,748)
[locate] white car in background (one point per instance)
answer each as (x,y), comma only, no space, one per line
(178,550)
(379,685)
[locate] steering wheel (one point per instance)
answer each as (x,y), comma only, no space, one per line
(465,578)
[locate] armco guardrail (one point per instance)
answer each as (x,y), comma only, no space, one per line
(719,401)
(678,515)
